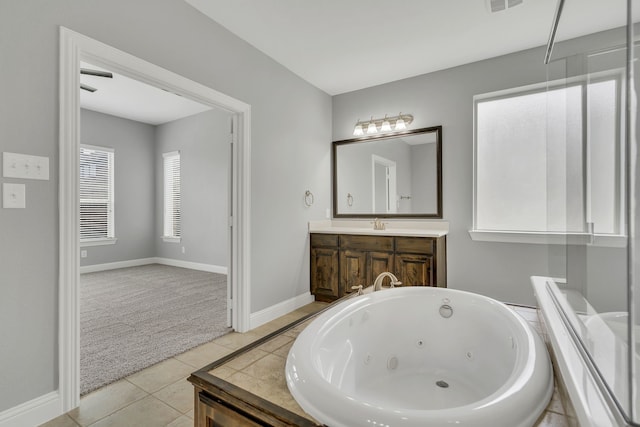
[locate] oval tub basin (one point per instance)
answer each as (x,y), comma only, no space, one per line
(420,356)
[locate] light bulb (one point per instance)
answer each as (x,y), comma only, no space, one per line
(400,125)
(372,128)
(386,126)
(358,130)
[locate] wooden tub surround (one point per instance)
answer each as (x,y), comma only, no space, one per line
(260,399)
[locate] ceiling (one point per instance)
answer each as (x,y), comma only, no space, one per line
(134,100)
(344,45)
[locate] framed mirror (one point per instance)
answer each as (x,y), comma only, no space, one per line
(389,175)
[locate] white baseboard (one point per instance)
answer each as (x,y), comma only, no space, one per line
(154,260)
(192,265)
(116,265)
(268,314)
(34,412)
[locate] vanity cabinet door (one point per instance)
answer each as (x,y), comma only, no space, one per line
(379,262)
(324,274)
(353,270)
(414,269)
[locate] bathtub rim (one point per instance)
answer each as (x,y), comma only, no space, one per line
(498,398)
(574,367)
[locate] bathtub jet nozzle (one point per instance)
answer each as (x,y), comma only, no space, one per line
(446,311)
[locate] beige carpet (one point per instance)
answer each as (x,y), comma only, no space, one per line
(131,318)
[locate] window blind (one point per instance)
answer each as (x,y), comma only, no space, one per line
(172,227)
(96,193)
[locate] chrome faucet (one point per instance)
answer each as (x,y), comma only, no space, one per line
(378,225)
(377,284)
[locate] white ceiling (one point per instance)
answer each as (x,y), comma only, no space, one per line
(345,45)
(134,100)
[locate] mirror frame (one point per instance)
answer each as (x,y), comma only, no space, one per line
(364,139)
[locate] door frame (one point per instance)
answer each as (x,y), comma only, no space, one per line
(75,47)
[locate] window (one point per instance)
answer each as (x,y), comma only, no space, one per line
(172,215)
(96,195)
(547,159)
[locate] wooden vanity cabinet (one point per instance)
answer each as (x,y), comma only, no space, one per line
(340,261)
(324,267)
(362,258)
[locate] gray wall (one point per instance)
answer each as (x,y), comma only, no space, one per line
(203,142)
(291,135)
(134,181)
(499,270)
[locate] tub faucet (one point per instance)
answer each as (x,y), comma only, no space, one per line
(378,225)
(377,284)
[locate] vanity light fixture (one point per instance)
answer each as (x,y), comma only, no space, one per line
(385,125)
(372,128)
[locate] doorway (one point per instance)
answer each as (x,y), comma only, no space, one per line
(384,179)
(75,47)
(151,164)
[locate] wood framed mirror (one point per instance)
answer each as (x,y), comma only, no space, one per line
(396,175)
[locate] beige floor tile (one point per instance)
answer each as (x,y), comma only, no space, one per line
(178,395)
(246,359)
(148,412)
(258,387)
(236,340)
(311,308)
(268,368)
(160,375)
(203,355)
(275,343)
(183,421)
(190,414)
(284,350)
(266,329)
(551,419)
(61,421)
(223,372)
(105,401)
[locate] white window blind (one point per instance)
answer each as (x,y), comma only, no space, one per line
(172,214)
(96,193)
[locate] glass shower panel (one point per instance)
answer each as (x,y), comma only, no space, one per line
(585,186)
(633,212)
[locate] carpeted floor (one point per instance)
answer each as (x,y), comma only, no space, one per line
(131,318)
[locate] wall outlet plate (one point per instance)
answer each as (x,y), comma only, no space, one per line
(13,196)
(25,166)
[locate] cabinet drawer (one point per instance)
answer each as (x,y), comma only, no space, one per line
(325,240)
(415,245)
(367,243)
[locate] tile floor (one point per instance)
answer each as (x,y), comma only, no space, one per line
(161,396)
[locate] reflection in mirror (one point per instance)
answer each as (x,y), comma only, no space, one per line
(396,175)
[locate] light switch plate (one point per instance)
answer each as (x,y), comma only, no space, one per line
(13,196)
(25,166)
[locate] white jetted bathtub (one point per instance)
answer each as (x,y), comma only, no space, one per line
(420,356)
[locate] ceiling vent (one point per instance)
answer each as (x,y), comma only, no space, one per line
(500,5)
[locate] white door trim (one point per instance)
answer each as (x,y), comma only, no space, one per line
(73,48)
